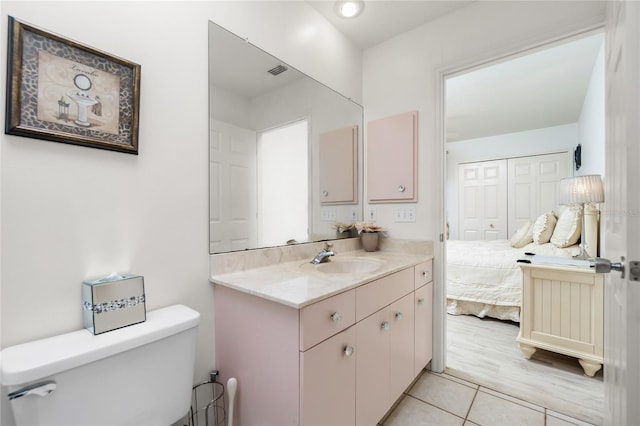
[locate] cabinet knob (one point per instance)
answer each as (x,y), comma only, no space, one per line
(336,316)
(385,325)
(347,350)
(421,301)
(398,315)
(401,188)
(325,193)
(425,273)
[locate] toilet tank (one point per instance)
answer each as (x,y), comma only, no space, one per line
(138,375)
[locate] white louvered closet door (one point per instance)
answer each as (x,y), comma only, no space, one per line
(534,183)
(482,194)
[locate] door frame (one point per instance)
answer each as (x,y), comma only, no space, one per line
(438,362)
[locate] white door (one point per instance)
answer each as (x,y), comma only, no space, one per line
(482,194)
(232,188)
(534,183)
(621,213)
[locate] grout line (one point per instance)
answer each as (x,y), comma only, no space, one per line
(435,406)
(466,417)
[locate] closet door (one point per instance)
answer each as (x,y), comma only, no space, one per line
(482,207)
(534,184)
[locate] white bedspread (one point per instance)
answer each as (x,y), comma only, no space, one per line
(486,272)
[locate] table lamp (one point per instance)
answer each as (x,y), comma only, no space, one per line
(582,190)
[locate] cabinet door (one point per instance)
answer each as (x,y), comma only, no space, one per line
(372,368)
(329,382)
(392,158)
(401,346)
(338,165)
(423,323)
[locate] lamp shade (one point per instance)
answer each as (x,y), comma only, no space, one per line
(582,189)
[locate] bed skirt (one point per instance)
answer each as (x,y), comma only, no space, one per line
(463,307)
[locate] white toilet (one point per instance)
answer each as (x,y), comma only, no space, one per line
(137,375)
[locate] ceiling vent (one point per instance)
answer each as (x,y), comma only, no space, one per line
(278,70)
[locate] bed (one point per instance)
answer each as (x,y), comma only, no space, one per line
(484,279)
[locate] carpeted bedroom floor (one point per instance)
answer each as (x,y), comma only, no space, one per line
(485,351)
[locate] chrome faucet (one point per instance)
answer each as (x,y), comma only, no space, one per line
(324,254)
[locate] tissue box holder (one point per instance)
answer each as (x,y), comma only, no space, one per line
(113,302)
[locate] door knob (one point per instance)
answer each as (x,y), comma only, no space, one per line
(604,266)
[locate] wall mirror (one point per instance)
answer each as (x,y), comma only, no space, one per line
(267,121)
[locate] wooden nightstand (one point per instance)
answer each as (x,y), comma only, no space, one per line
(563,312)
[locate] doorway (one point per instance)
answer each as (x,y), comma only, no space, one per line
(283,189)
(513,109)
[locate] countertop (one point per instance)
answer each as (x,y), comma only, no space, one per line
(298,283)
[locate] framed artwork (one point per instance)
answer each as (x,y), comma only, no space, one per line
(60,90)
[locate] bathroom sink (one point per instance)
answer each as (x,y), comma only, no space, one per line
(350,265)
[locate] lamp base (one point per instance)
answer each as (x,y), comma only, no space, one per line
(583,254)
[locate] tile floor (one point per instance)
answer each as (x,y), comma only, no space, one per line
(444,400)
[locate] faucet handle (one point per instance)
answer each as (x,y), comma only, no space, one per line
(328,245)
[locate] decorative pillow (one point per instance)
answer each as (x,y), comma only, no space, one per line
(543,227)
(567,231)
(523,236)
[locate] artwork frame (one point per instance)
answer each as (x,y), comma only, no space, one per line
(63,91)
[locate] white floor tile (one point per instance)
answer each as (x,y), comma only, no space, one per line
(412,412)
(490,410)
(444,393)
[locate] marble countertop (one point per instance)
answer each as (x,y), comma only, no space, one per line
(298,283)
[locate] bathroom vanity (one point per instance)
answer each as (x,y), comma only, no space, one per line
(329,344)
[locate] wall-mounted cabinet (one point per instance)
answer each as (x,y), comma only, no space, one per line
(392,160)
(338,163)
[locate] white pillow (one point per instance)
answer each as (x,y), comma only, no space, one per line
(543,227)
(567,231)
(523,236)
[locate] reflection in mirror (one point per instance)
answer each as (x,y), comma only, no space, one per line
(266,122)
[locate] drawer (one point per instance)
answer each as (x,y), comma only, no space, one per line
(323,319)
(424,273)
(377,294)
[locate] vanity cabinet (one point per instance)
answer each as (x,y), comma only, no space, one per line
(392,148)
(341,361)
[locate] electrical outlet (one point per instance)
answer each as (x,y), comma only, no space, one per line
(410,214)
(329,214)
(354,215)
(405,214)
(373,215)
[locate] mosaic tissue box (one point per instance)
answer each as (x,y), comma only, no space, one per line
(113,302)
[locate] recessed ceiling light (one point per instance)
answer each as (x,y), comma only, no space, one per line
(349,9)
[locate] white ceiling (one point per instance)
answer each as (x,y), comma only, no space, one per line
(540,90)
(543,89)
(384,19)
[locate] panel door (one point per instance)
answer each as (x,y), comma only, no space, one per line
(232,187)
(620,214)
(482,191)
(423,327)
(533,186)
(329,381)
(338,166)
(401,345)
(392,158)
(372,368)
